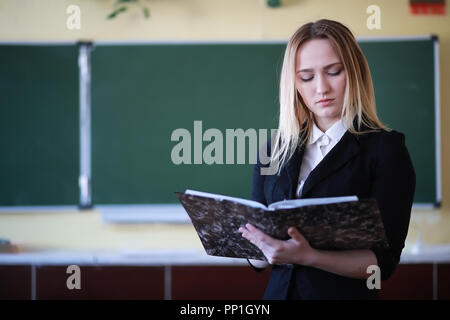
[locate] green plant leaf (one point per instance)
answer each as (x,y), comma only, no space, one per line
(116,12)
(146,12)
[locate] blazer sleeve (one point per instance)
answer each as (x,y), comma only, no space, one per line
(257,193)
(258,179)
(394,182)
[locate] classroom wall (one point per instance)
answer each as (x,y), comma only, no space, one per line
(45,20)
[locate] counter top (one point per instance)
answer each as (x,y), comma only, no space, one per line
(85,238)
(439,254)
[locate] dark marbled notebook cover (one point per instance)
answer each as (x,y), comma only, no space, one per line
(337,226)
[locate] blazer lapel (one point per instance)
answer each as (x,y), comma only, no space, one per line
(293,170)
(342,152)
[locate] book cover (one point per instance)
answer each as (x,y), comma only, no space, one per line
(330,225)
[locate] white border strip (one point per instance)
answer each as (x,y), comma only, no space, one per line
(84,179)
(421,206)
(252,41)
(189,42)
(37,209)
(203,41)
(39,43)
(130,213)
(265,41)
(394,38)
(112,213)
(151,257)
(171,213)
(437,121)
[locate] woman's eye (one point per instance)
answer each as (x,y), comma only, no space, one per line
(306,79)
(334,73)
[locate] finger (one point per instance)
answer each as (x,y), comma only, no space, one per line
(295,234)
(255,236)
(255,230)
(262,240)
(256,233)
(245,235)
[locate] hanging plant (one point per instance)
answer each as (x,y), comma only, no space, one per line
(274,3)
(121,6)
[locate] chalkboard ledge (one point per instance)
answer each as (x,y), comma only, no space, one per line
(154,213)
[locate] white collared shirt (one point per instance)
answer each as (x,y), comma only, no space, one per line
(318,146)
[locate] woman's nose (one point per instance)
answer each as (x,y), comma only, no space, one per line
(322,85)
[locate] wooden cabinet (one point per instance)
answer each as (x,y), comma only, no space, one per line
(218,282)
(206,282)
(15,282)
(409,281)
(101,282)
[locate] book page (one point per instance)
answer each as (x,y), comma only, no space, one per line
(295,203)
(250,203)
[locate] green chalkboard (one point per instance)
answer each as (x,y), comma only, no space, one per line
(39,125)
(403,75)
(142,93)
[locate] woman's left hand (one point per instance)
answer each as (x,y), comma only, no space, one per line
(292,251)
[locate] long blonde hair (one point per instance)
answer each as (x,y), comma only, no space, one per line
(296,121)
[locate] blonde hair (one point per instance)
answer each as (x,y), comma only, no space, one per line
(296,121)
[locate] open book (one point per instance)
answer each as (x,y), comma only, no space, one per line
(340,223)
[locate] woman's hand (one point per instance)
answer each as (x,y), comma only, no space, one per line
(292,251)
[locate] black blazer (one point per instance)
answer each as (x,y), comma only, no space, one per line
(373,165)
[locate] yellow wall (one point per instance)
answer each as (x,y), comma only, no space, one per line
(45,20)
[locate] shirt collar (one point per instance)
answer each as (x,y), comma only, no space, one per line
(335,132)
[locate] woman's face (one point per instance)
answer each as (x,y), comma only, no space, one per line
(320,80)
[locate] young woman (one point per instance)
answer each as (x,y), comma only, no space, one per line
(331,143)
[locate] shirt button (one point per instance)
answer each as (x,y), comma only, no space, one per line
(325,140)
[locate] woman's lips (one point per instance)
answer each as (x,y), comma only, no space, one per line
(325,102)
